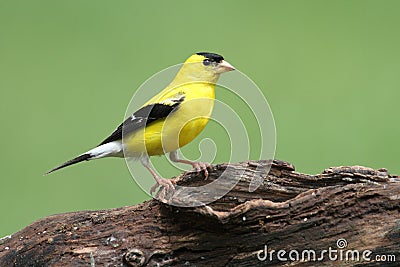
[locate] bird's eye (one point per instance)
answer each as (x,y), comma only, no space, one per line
(206,62)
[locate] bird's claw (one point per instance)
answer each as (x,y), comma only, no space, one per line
(168,184)
(201,166)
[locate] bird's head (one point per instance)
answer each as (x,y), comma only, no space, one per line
(205,67)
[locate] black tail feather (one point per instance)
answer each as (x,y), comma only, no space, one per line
(71,162)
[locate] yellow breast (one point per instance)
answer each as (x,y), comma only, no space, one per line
(180,127)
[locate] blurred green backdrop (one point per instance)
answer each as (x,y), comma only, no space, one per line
(329,69)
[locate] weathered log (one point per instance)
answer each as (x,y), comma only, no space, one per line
(290,211)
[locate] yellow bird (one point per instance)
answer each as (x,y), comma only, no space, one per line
(169,120)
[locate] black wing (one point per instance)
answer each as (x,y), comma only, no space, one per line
(143,117)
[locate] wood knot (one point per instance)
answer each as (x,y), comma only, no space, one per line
(135,257)
(98,218)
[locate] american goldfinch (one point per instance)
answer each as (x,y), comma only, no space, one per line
(168,121)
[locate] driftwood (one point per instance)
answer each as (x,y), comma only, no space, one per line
(290,211)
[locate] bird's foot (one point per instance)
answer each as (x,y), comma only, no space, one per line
(201,166)
(167,184)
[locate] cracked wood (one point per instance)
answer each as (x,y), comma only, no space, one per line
(290,210)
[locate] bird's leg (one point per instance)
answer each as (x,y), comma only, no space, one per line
(166,183)
(195,164)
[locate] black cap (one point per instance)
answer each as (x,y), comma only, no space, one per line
(211,56)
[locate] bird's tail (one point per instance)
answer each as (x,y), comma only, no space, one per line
(73,161)
(105,150)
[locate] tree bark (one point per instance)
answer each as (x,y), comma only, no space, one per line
(343,208)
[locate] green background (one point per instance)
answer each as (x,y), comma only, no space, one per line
(329,69)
